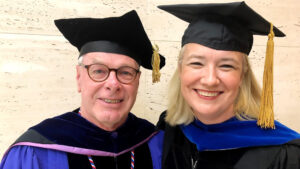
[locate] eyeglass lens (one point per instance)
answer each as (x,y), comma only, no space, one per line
(99,72)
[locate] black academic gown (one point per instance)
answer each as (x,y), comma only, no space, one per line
(142,160)
(66,141)
(180,153)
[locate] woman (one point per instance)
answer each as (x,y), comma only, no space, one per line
(215,117)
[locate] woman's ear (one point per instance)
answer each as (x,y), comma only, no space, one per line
(244,68)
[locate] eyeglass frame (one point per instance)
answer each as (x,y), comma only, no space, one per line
(109,70)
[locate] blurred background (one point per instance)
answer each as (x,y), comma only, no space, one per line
(37,65)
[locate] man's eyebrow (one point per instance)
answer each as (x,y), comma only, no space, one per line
(95,60)
(98,61)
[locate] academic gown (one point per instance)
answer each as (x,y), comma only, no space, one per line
(66,141)
(233,144)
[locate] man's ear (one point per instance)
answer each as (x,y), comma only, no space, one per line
(78,78)
(139,75)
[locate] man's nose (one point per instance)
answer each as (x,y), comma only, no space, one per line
(112,83)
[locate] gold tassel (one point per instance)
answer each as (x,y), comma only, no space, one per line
(155,64)
(266,112)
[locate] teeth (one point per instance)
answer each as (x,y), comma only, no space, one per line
(208,94)
(111,101)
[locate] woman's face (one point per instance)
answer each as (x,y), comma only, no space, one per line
(210,81)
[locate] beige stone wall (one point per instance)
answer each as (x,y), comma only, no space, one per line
(37,65)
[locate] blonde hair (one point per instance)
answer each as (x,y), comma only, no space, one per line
(246,105)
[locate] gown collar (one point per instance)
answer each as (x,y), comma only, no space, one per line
(72,130)
(234,133)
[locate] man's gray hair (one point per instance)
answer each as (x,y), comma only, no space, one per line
(80,60)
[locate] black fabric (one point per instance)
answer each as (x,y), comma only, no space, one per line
(161,124)
(180,153)
(108,47)
(219,33)
(142,160)
(221,26)
(127,31)
(73,130)
(33,136)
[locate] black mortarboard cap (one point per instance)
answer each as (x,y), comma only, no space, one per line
(221,26)
(121,35)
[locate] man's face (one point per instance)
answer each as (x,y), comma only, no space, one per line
(106,104)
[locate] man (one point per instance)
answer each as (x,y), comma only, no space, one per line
(101,133)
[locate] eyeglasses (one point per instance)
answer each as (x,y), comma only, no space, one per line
(100,72)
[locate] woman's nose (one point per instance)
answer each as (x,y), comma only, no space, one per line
(210,77)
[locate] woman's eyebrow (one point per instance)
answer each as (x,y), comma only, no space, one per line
(194,56)
(229,60)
